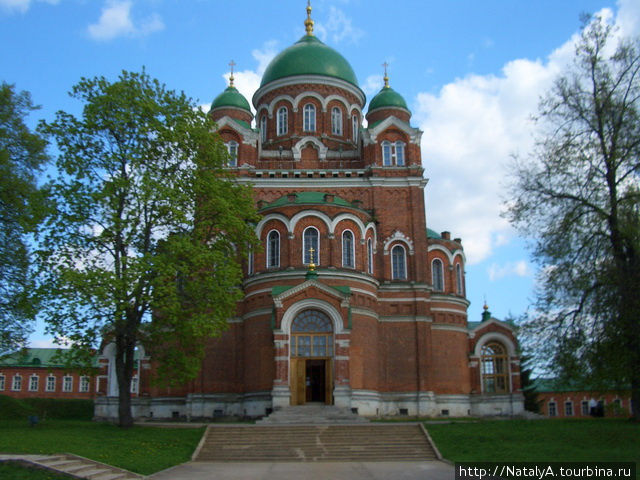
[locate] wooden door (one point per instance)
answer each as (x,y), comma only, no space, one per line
(328,378)
(297,380)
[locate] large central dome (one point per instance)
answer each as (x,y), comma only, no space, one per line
(309,56)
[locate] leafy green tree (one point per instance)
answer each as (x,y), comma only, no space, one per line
(578,196)
(22,155)
(148,231)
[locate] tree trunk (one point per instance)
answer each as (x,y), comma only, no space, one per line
(124,372)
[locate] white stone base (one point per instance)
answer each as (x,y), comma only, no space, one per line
(367,402)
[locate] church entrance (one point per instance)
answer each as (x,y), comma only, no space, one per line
(311,365)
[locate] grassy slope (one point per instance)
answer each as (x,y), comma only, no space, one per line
(12,471)
(596,440)
(143,450)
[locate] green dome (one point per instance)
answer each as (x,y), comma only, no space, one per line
(387,98)
(231,97)
(309,56)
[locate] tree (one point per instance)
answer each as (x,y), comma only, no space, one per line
(148,231)
(578,196)
(22,155)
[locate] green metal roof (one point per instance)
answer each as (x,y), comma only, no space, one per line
(309,56)
(34,357)
(231,97)
(309,198)
(433,234)
(387,97)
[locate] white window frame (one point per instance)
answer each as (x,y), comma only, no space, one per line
(348,252)
(309,118)
(84,384)
(67,383)
(271,262)
(396,274)
(263,128)
(2,382)
(568,408)
(16,384)
(50,385)
(552,409)
(306,258)
(354,128)
(584,408)
(437,274)
(34,382)
(135,384)
(282,120)
(232,150)
(336,121)
(370,255)
(459,279)
(393,154)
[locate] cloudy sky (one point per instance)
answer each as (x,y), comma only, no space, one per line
(471,71)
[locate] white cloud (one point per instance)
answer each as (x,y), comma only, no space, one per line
(339,27)
(473,126)
(21,5)
(115,21)
(518,269)
(372,85)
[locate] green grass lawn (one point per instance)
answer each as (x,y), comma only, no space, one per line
(143,450)
(14,471)
(597,440)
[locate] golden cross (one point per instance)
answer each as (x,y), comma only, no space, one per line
(231,64)
(312,266)
(386,77)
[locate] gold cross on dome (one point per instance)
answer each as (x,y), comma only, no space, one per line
(231,64)
(386,76)
(312,266)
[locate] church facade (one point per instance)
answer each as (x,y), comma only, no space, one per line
(353,301)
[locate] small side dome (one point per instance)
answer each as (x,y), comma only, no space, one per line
(387,98)
(231,97)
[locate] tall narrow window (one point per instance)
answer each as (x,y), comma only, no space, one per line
(399,154)
(34,381)
(51,384)
(386,154)
(354,128)
(309,118)
(348,256)
(1,382)
(494,368)
(437,275)
(232,149)
(250,265)
(282,119)
(459,279)
(310,240)
(17,383)
(552,409)
(398,263)
(336,121)
(84,384)
(67,383)
(370,255)
(263,128)
(273,249)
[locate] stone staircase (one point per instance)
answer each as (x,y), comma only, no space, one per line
(312,443)
(318,414)
(74,466)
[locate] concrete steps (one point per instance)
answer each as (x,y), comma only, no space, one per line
(74,466)
(312,443)
(312,415)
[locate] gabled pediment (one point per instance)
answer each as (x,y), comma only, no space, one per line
(249,136)
(371,133)
(283,294)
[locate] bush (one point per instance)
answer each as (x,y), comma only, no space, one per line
(54,408)
(12,408)
(61,409)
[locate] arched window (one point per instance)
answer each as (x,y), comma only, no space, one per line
(399,154)
(386,153)
(495,369)
(437,275)
(370,256)
(281,122)
(309,124)
(311,335)
(273,249)
(398,263)
(232,149)
(459,279)
(263,128)
(354,128)
(250,266)
(392,154)
(310,240)
(348,256)
(336,121)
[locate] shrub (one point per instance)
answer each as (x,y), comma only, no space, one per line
(61,409)
(12,408)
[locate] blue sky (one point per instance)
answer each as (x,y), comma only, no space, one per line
(471,71)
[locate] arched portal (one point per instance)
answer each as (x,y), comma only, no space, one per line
(311,351)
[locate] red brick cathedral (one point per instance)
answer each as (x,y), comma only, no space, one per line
(352,301)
